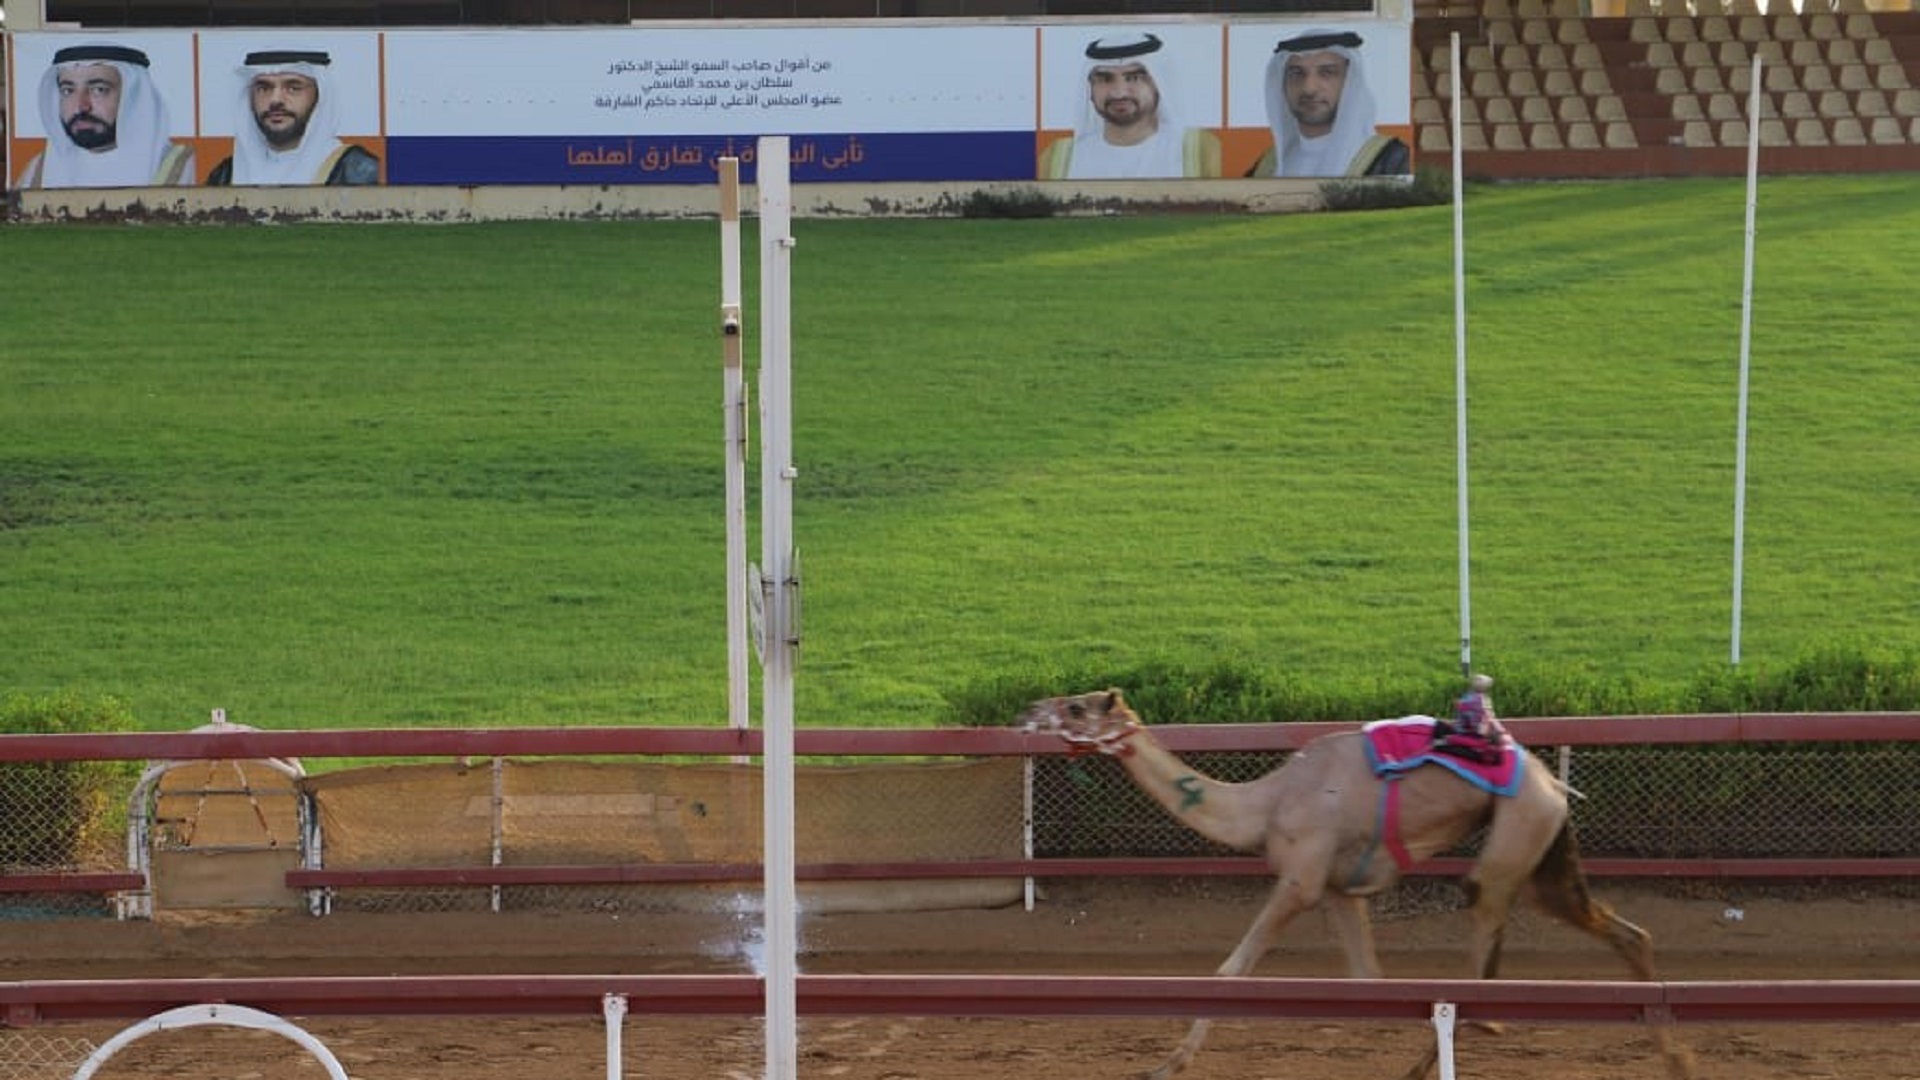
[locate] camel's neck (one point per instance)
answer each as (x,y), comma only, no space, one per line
(1231,814)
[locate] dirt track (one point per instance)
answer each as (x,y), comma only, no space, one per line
(1151,928)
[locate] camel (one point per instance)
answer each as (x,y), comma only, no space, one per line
(1317,818)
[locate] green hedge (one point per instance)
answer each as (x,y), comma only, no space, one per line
(1836,676)
(60,813)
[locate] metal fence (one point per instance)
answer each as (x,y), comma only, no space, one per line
(1846,799)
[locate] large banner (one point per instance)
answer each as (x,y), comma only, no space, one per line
(1191,99)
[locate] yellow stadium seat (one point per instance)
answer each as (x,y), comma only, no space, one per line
(1544,137)
(1871,103)
(1620,137)
(1687,107)
(1886,132)
(1847,132)
(1582,136)
(1891,77)
(1906,103)
(1697,133)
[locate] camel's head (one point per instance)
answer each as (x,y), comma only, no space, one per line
(1099,721)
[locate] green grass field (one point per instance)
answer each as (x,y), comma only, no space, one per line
(330,476)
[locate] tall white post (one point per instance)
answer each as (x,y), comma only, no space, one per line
(781,584)
(1460,360)
(734,399)
(1746,343)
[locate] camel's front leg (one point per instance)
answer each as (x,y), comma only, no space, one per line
(1354,923)
(1289,898)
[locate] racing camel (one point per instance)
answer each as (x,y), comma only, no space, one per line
(1319,820)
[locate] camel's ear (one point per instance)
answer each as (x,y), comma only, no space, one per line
(1114,700)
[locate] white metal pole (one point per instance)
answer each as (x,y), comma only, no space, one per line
(734,398)
(1026,825)
(777,563)
(1746,344)
(1460,359)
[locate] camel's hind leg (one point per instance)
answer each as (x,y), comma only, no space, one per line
(1560,887)
(1289,898)
(1490,901)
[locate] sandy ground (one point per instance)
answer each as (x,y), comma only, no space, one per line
(1165,928)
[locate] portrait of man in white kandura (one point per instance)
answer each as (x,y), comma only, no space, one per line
(1129,123)
(106,122)
(1322,111)
(291,104)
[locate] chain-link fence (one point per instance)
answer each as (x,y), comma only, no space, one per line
(1730,801)
(1735,801)
(61,818)
(40,1055)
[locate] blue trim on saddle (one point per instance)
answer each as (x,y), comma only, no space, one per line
(1465,771)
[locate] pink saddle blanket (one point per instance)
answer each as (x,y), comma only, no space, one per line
(1398,746)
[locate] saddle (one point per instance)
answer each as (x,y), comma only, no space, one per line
(1399,746)
(1468,747)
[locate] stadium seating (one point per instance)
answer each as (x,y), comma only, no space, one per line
(1543,78)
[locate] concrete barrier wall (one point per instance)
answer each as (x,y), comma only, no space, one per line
(640,201)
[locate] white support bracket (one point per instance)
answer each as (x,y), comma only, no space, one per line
(1445,1015)
(614,1008)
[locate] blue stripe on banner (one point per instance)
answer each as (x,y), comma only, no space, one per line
(643,159)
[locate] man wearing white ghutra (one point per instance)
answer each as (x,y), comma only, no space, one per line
(1126,128)
(106,124)
(295,115)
